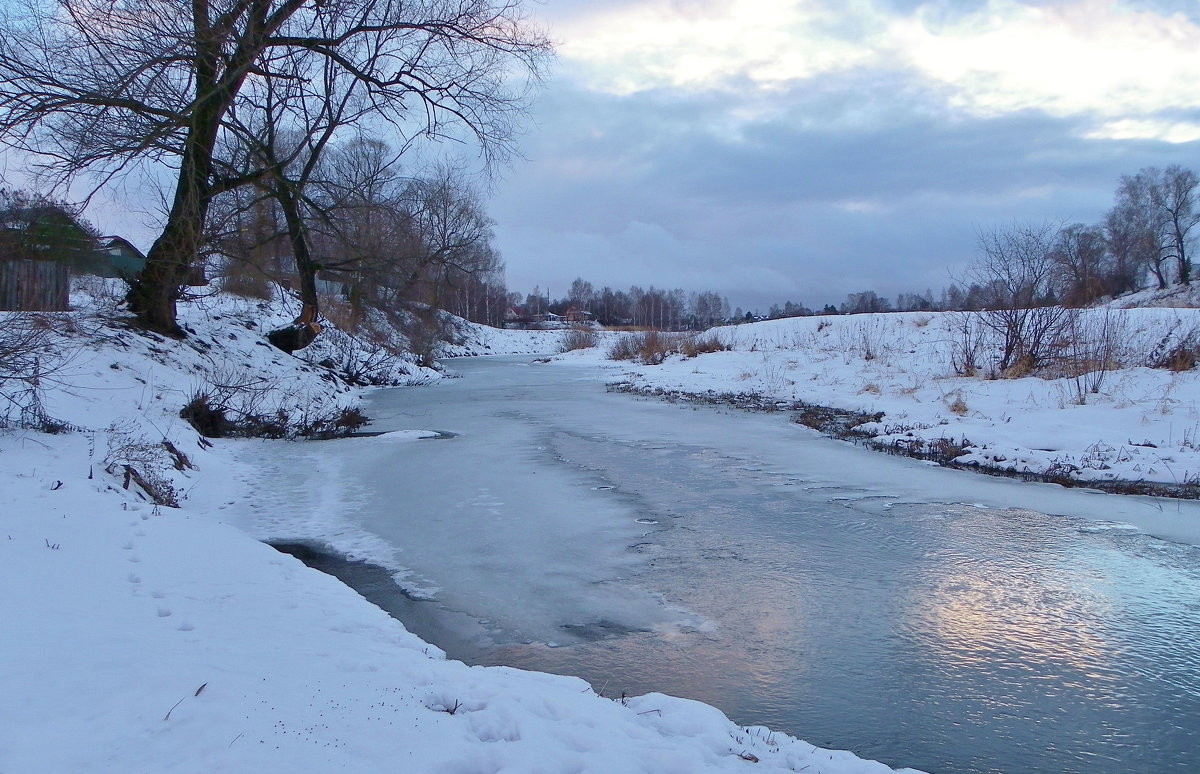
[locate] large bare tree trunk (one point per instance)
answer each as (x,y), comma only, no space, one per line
(153,293)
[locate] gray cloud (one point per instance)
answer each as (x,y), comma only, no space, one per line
(649,190)
(856,179)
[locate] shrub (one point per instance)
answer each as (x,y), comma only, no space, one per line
(702,344)
(623,349)
(208,420)
(142,461)
(213,419)
(653,347)
(577,338)
(1176,353)
(967,343)
(1095,348)
(30,353)
(1181,358)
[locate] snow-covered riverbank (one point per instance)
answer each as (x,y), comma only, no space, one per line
(140,637)
(1128,422)
(145,637)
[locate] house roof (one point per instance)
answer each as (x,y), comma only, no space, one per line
(118,243)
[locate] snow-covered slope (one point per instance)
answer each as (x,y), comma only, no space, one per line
(138,637)
(1124,422)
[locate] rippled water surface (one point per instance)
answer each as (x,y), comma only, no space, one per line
(789,580)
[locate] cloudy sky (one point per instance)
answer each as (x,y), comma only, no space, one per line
(778,150)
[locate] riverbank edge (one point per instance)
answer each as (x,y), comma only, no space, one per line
(842,424)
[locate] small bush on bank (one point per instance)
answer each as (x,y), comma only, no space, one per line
(622,349)
(702,345)
(1179,355)
(227,406)
(647,347)
(217,421)
(577,338)
(653,347)
(138,460)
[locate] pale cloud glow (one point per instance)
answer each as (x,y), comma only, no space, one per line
(661,45)
(1077,57)
(1175,132)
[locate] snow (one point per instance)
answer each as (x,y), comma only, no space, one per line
(1141,424)
(146,638)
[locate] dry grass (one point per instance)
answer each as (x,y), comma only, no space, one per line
(647,347)
(578,338)
(702,345)
(651,347)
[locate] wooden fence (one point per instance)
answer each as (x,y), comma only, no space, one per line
(34,286)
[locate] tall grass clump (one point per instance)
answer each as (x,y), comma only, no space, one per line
(577,338)
(1176,351)
(653,347)
(702,344)
(1094,348)
(646,347)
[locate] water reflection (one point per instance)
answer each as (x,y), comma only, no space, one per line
(959,639)
(980,608)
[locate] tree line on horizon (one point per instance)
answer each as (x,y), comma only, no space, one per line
(651,307)
(1145,240)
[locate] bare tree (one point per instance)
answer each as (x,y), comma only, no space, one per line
(1080,253)
(100,87)
(582,293)
(1174,197)
(365,235)
(1015,269)
(866,302)
(1132,251)
(453,230)
(1132,225)
(277,136)
(1152,221)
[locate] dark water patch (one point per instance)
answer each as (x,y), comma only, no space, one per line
(461,636)
(438,435)
(601,630)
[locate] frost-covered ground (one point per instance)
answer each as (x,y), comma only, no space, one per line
(145,638)
(1127,422)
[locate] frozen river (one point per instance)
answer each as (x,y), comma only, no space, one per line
(919,616)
